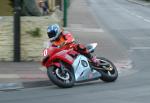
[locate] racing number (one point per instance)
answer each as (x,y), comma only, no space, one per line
(45,52)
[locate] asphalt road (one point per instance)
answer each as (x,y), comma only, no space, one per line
(129,24)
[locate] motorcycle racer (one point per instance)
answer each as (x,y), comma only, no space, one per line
(64,39)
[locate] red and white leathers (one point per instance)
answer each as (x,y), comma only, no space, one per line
(67,41)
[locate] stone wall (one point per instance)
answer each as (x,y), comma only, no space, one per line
(6,38)
(31,47)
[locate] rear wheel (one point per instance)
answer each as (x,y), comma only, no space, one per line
(63,79)
(109,72)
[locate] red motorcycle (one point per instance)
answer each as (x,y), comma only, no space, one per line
(66,67)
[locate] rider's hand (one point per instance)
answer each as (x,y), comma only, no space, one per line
(62,44)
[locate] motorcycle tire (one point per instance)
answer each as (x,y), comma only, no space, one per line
(53,75)
(108,76)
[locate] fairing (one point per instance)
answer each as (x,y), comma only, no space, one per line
(82,69)
(58,55)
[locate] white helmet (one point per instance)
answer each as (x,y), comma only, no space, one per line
(53,31)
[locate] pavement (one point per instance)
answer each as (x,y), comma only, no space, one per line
(21,75)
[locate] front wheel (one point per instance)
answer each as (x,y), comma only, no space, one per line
(109,72)
(63,80)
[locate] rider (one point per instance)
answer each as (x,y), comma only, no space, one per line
(60,38)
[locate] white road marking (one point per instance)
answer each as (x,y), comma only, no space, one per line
(76,25)
(134,14)
(140,48)
(147,20)
(140,38)
(138,16)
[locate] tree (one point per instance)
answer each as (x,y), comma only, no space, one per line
(11,3)
(28,7)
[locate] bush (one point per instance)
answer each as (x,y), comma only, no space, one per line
(35,33)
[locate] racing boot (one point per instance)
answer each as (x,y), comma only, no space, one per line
(95,61)
(99,63)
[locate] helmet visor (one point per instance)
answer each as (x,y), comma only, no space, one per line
(51,34)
